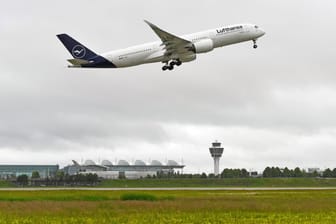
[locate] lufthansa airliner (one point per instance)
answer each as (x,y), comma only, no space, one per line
(172,50)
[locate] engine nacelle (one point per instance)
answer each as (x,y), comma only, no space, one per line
(203,46)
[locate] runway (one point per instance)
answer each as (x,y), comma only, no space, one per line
(169,189)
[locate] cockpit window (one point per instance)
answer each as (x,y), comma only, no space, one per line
(256,27)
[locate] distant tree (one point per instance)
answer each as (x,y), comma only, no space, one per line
(188,175)
(290,173)
(211,175)
(159,174)
(67,178)
(196,176)
(60,175)
(226,173)
(315,174)
(92,178)
(234,173)
(244,173)
(276,172)
(304,173)
(312,174)
(334,172)
(22,180)
(35,175)
(298,172)
(286,172)
(267,172)
(203,175)
(327,173)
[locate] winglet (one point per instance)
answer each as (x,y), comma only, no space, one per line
(156,29)
(150,24)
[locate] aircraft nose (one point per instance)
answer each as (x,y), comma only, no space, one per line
(262,32)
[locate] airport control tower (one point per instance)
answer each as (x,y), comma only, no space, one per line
(216,152)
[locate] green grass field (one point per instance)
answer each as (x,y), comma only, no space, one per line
(168,206)
(227,182)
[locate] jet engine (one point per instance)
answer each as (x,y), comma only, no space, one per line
(203,46)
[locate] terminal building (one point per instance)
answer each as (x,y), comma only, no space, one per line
(123,169)
(13,171)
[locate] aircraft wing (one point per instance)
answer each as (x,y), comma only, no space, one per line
(174,45)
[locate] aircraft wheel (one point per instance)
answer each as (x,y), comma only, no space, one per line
(164,68)
(170,67)
(255,44)
(172,63)
(178,63)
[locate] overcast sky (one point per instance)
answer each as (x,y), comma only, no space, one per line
(274,106)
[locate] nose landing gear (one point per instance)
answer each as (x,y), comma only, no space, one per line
(170,65)
(255,44)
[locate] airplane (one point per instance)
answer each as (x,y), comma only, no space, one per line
(171,49)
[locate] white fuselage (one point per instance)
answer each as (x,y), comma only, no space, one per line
(155,51)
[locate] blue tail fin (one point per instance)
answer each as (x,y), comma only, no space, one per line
(76,49)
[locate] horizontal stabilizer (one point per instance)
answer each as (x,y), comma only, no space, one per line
(78,62)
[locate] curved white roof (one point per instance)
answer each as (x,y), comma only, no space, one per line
(172,163)
(106,163)
(89,162)
(156,163)
(123,163)
(139,163)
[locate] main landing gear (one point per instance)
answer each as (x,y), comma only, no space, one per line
(170,65)
(255,44)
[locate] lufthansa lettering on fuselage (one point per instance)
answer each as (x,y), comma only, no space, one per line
(229,29)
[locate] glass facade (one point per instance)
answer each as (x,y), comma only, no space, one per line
(13,171)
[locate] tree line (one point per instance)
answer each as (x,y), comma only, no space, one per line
(60,179)
(243,173)
(91,179)
(297,172)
